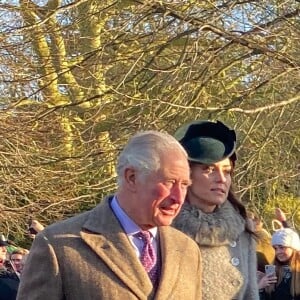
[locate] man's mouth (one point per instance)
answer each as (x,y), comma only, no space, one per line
(170,211)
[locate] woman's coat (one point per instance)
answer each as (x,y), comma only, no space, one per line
(228,252)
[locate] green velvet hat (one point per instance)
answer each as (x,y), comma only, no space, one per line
(207,142)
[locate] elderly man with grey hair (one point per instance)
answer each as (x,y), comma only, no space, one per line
(124,248)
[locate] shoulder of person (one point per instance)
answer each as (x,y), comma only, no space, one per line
(6,274)
(178,235)
(73,225)
(69,225)
(3,272)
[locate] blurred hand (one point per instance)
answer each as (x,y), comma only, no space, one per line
(267,280)
(259,275)
(279,214)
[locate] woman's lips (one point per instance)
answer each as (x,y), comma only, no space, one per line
(218,190)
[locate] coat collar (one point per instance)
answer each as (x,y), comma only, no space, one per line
(105,236)
(221,227)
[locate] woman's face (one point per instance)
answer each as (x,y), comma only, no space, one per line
(210,184)
(283,254)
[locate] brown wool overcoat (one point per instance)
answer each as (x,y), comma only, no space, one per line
(90,257)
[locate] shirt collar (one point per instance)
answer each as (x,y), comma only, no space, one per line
(129,226)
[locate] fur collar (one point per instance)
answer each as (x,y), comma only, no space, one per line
(221,227)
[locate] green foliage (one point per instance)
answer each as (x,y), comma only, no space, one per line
(288,203)
(78,80)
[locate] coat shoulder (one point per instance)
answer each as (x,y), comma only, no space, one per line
(70,225)
(180,237)
(75,224)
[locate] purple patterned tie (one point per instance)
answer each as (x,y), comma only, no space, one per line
(148,257)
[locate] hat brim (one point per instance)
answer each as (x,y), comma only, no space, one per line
(207,142)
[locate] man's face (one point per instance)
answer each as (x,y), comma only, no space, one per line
(160,195)
(16,259)
(211,184)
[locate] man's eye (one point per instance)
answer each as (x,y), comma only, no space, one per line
(170,182)
(185,185)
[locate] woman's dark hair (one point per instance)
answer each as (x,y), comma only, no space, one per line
(239,206)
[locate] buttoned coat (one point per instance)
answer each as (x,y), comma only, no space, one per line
(228,251)
(90,257)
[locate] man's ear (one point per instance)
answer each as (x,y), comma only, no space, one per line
(130,176)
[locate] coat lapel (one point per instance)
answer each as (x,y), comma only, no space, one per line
(171,254)
(103,233)
(105,236)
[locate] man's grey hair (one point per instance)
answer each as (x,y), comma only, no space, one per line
(143,152)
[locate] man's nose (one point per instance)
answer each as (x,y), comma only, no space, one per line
(178,193)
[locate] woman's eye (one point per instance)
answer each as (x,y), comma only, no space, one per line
(209,169)
(227,171)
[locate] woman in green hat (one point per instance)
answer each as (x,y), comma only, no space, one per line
(214,217)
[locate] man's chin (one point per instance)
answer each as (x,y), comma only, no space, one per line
(165,221)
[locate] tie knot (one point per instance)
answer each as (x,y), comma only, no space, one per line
(145,236)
